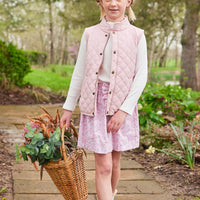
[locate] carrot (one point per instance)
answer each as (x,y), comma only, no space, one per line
(35,166)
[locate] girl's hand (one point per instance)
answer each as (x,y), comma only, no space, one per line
(66,118)
(116,121)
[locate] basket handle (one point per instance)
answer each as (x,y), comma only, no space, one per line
(62,148)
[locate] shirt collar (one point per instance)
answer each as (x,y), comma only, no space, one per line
(115,26)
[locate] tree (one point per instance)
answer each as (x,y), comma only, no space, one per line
(76,16)
(188,77)
(51,30)
(160,20)
(12,17)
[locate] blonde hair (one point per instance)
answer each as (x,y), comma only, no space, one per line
(131,14)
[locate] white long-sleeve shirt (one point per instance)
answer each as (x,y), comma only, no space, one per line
(138,83)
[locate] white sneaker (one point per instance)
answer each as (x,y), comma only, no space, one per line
(113,197)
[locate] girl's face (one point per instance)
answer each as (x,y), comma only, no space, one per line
(115,9)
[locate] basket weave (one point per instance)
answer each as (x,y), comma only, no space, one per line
(69,174)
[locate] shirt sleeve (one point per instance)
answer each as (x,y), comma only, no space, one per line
(77,77)
(140,79)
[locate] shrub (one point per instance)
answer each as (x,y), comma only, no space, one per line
(160,103)
(14,65)
(36,57)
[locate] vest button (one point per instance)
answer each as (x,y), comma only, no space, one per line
(110,92)
(96,73)
(106,35)
(114,52)
(107,112)
(101,54)
(93,113)
(113,72)
(93,93)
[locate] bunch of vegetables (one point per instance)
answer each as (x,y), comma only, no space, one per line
(43,140)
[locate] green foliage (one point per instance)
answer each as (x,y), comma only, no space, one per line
(43,139)
(158,102)
(40,148)
(197,198)
(2,190)
(54,77)
(187,146)
(36,57)
(14,65)
(82,14)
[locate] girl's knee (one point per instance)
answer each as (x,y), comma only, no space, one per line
(116,160)
(115,164)
(104,168)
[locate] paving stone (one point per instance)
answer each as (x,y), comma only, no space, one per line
(131,175)
(125,175)
(125,165)
(133,187)
(124,187)
(89,164)
(143,197)
(38,197)
(44,197)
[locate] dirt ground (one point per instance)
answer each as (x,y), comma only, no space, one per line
(28,95)
(177,178)
(6,163)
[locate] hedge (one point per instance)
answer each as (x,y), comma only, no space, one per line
(14,65)
(36,57)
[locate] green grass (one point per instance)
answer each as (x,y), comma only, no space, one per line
(63,70)
(54,78)
(169,73)
(58,77)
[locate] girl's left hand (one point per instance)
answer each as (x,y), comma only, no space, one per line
(116,121)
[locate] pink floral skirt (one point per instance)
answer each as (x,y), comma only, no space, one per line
(93,133)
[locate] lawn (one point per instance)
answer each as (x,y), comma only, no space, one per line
(53,78)
(169,73)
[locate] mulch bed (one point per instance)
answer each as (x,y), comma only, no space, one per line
(6,163)
(29,95)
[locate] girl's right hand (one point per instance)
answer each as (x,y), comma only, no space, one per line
(66,118)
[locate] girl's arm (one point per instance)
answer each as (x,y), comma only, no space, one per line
(77,78)
(140,79)
(75,85)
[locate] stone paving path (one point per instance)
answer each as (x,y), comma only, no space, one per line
(134,183)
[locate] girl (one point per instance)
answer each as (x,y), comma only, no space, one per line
(110,75)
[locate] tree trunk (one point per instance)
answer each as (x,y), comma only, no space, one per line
(198,76)
(51,32)
(188,78)
(150,57)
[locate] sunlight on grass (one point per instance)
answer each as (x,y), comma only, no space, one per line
(54,78)
(168,73)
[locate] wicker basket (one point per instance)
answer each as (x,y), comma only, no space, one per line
(69,174)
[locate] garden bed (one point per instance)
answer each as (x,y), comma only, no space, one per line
(29,95)
(6,163)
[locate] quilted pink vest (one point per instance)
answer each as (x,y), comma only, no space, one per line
(125,39)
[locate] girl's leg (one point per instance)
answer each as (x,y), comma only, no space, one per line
(115,169)
(103,165)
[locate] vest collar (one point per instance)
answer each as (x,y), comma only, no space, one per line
(116,26)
